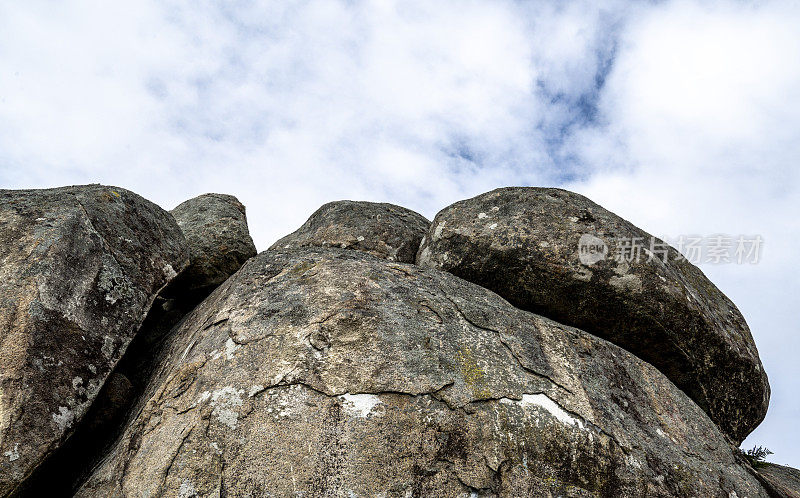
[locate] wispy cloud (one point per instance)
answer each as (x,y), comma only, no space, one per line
(417,102)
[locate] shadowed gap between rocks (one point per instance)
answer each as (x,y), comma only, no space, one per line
(66,469)
(219,243)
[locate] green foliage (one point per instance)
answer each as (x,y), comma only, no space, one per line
(756,455)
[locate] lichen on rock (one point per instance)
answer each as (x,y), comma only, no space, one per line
(424,384)
(381,229)
(524,243)
(79,269)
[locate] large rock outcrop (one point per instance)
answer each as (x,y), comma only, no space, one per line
(523,243)
(324,372)
(785,481)
(215,226)
(384,230)
(79,269)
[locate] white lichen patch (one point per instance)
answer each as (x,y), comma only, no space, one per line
(77,382)
(482,216)
(92,388)
(285,403)
(492,226)
(622,268)
(113,283)
(629,282)
(424,256)
(169,271)
(13,454)
(360,405)
(437,232)
(228,350)
(583,274)
(360,238)
(64,418)
(225,403)
(186,489)
(633,462)
(108,346)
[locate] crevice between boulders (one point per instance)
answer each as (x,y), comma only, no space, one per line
(213,258)
(65,470)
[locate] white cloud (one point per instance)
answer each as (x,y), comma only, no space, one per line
(331,99)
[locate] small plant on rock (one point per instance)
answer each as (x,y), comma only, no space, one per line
(756,455)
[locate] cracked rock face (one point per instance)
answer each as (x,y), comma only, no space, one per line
(384,230)
(523,243)
(326,372)
(79,269)
(785,481)
(215,226)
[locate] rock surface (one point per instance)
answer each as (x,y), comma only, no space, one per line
(784,480)
(323,372)
(523,243)
(215,226)
(79,269)
(384,230)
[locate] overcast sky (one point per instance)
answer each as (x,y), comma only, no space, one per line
(681,116)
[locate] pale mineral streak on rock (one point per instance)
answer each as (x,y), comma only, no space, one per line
(360,405)
(543,401)
(629,282)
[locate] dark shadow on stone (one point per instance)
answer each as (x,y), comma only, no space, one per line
(66,469)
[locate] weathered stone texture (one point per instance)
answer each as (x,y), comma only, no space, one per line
(325,372)
(523,243)
(216,229)
(79,269)
(384,230)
